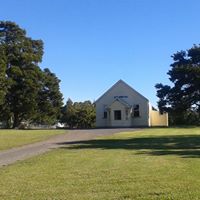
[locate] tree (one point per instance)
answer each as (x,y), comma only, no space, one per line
(69,115)
(85,112)
(79,114)
(49,99)
(20,73)
(182,99)
(2,72)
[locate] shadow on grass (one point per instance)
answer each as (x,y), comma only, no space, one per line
(184,146)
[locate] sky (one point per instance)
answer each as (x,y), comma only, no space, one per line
(91,44)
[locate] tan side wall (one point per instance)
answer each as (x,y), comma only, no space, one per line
(158,119)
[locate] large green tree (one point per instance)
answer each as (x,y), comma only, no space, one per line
(182,98)
(20,73)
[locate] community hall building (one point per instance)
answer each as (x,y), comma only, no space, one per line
(122,106)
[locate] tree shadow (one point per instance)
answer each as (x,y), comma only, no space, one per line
(187,146)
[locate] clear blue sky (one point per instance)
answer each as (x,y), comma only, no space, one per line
(91,44)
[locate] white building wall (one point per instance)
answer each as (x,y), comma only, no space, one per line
(125,120)
(131,97)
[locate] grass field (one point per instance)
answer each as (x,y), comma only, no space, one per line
(14,138)
(151,164)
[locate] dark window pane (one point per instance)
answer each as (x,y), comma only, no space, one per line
(136,111)
(105,115)
(117,115)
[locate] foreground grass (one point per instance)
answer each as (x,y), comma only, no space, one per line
(150,164)
(15,138)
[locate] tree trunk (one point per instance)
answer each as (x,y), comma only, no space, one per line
(16,122)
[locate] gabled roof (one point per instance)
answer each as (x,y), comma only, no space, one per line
(124,103)
(115,85)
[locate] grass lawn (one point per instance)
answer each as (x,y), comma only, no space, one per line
(14,138)
(151,164)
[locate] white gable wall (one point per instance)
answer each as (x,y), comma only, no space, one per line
(133,98)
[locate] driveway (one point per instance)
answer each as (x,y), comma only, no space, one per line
(21,153)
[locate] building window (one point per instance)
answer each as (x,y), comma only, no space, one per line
(105,115)
(117,115)
(136,111)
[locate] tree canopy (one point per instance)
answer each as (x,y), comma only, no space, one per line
(78,114)
(182,98)
(27,92)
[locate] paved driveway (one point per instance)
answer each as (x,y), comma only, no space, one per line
(21,153)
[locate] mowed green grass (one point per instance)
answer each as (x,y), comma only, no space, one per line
(149,164)
(15,138)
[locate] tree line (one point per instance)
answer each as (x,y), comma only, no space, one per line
(31,94)
(79,114)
